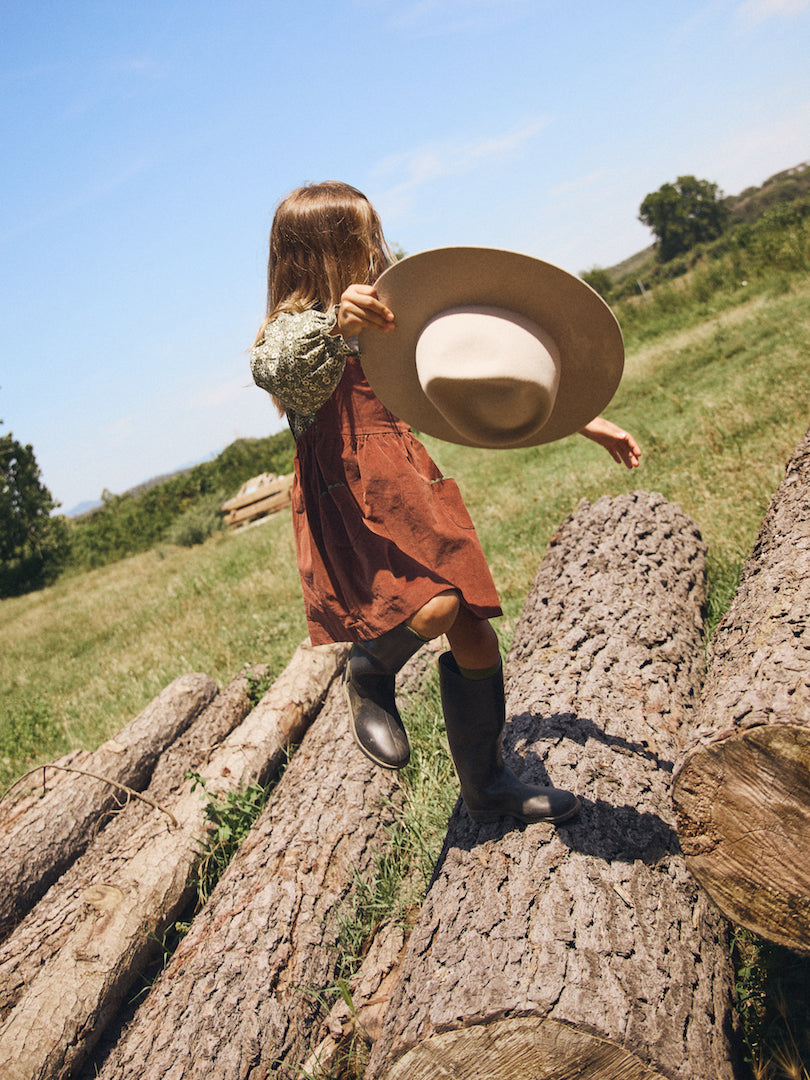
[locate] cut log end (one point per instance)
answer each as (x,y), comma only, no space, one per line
(743,806)
(520,1048)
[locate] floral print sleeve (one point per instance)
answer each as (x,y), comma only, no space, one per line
(300,363)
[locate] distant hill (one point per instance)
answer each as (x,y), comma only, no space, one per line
(83,508)
(784,186)
(87,507)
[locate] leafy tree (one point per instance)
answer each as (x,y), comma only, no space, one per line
(684,214)
(33,545)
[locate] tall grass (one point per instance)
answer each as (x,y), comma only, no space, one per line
(80,659)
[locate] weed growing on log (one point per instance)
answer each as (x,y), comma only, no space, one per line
(258,683)
(773,1001)
(232,818)
(349,1062)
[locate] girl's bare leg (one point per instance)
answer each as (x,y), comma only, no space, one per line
(473,641)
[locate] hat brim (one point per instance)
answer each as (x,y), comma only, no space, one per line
(421,286)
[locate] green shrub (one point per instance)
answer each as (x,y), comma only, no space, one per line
(140,519)
(197,523)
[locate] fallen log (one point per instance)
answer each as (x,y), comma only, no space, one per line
(242,993)
(584,950)
(258,497)
(39,844)
(110,921)
(742,791)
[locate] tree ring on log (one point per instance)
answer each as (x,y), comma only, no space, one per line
(519,1048)
(729,794)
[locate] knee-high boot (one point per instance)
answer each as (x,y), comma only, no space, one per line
(369,686)
(474,715)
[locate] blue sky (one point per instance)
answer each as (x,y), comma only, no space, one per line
(146,144)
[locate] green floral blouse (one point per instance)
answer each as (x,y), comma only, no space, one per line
(300,362)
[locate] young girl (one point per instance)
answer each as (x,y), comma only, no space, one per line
(387,554)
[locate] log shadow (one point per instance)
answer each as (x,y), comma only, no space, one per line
(613,833)
(531,728)
(609,831)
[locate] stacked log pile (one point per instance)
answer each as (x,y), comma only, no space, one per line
(742,791)
(240,996)
(40,936)
(43,836)
(585,950)
(67,966)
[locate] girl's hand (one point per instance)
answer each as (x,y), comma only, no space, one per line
(621,446)
(360,309)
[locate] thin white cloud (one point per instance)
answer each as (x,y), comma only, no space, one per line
(136,65)
(435,160)
(97,189)
(756,11)
(120,429)
(748,155)
(580,183)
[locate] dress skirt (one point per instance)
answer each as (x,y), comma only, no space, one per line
(378,530)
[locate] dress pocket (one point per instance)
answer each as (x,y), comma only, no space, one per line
(448,500)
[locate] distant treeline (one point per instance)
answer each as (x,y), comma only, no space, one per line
(183,508)
(768,230)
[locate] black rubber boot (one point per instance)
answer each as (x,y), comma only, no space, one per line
(474,715)
(369,685)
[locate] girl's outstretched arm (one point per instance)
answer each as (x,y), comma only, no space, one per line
(621,446)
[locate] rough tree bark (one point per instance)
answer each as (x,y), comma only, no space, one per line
(587,950)
(39,844)
(107,917)
(241,994)
(742,792)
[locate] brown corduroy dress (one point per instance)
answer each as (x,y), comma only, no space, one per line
(378,530)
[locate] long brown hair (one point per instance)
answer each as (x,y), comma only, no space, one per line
(324,237)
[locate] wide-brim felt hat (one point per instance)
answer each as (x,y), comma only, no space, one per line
(492,348)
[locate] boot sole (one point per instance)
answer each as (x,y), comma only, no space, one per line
(557,819)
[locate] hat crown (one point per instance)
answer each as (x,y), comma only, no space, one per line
(492,373)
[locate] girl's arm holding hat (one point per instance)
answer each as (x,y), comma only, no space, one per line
(621,446)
